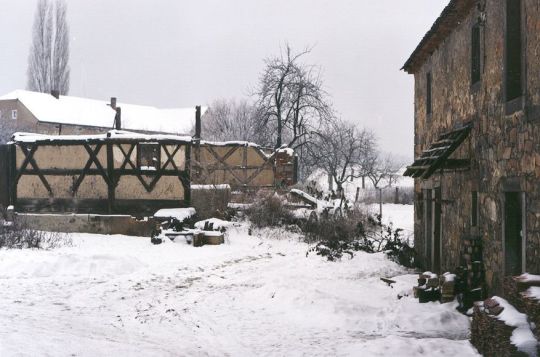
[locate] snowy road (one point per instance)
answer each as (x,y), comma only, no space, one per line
(259,296)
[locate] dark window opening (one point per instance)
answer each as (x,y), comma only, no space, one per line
(148,156)
(428,94)
(513,233)
(474,209)
(514,87)
(476,64)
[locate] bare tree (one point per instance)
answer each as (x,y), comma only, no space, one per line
(234,120)
(48,61)
(292,101)
(384,169)
(340,149)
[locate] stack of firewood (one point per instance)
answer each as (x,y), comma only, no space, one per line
(471,272)
(448,288)
(517,292)
(489,335)
(428,288)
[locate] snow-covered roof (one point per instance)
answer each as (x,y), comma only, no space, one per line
(230,143)
(98,113)
(20,137)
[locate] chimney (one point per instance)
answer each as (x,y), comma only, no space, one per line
(55,93)
(118,119)
(198,122)
(113,103)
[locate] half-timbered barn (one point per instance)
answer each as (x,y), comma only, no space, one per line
(477,115)
(117,172)
(122,172)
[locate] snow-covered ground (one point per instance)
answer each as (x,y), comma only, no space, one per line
(400,216)
(254,295)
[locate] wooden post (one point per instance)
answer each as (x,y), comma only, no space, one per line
(330,183)
(396,196)
(363,182)
(118,119)
(13,175)
(380,201)
(357,194)
(198,122)
(112,180)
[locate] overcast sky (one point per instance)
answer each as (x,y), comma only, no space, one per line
(176,53)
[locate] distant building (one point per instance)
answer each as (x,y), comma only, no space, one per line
(51,114)
(477,147)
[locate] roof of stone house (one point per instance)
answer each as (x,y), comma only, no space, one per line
(96,113)
(450,18)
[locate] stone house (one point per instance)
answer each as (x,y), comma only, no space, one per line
(477,146)
(53,114)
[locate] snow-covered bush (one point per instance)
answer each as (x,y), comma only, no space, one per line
(17,235)
(339,234)
(270,212)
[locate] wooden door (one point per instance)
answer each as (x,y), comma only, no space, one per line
(437,216)
(428,228)
(513,233)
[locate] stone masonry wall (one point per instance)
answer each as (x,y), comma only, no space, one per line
(503,148)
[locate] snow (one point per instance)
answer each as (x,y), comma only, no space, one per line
(522,337)
(286,150)
(180,214)
(534,292)
(218,224)
(254,295)
(429,274)
(230,143)
(305,195)
(321,179)
(448,277)
(98,113)
(112,134)
(211,187)
(240,206)
(401,216)
(529,278)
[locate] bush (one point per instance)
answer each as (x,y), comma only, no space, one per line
(270,211)
(16,235)
(353,231)
(392,243)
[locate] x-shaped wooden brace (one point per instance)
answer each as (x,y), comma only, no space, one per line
(267,161)
(221,162)
(29,152)
(91,159)
(170,160)
(127,161)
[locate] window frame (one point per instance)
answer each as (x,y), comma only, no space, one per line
(513,102)
(14,114)
(142,147)
(476,54)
